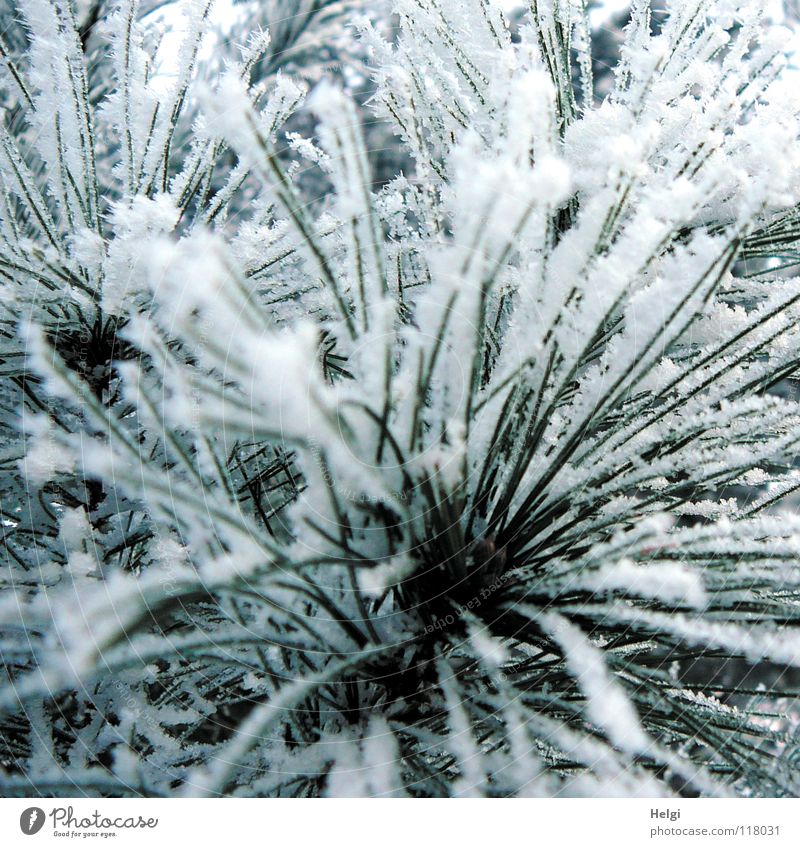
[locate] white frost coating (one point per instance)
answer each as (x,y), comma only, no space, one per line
(668,582)
(102,612)
(45,458)
(403,452)
(367,767)
(461,741)
(607,705)
(375,581)
(126,265)
(756,644)
(228,109)
(490,649)
(381,755)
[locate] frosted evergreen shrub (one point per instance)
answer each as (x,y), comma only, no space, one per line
(478,483)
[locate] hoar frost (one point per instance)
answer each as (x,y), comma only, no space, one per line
(460,481)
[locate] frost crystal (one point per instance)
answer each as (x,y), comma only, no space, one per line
(438,445)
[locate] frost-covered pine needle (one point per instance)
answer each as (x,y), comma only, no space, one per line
(477,481)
